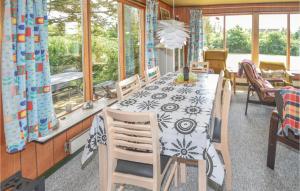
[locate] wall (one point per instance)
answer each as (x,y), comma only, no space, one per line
(37,158)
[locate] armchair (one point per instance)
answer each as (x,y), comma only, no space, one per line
(263,88)
(217,59)
(273,70)
(289,139)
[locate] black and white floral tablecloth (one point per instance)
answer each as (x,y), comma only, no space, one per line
(184,113)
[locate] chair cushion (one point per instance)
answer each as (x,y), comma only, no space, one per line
(216,137)
(140,169)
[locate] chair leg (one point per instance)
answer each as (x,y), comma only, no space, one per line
(227,161)
(182,172)
(176,176)
(272,141)
(247,102)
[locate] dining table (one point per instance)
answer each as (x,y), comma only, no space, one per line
(184,112)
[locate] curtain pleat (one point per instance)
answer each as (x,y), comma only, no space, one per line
(196,36)
(26,89)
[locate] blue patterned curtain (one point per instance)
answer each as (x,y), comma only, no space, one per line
(196,35)
(151,26)
(26,91)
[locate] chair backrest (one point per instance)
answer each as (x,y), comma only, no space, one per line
(255,79)
(133,137)
(218,99)
(217,59)
(217,104)
(199,67)
(152,74)
(226,99)
(268,65)
(128,86)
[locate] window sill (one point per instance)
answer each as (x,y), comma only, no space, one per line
(77,116)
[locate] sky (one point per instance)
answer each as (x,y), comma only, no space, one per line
(269,21)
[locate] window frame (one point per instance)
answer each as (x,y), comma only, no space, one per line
(87,65)
(255,33)
(121,22)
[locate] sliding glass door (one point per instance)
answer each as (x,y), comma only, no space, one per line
(238,39)
(273,37)
(295,42)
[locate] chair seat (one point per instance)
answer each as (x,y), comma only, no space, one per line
(140,169)
(216,137)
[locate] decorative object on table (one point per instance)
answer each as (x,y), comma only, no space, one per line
(164,14)
(172,33)
(186,73)
(87,105)
(192,78)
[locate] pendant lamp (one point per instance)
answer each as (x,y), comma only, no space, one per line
(172,33)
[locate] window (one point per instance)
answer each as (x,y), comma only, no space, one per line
(272,37)
(65,54)
(132,37)
(295,42)
(104,40)
(213,32)
(238,39)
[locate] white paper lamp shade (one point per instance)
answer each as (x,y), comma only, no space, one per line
(172,34)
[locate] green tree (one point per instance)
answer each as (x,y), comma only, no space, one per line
(238,40)
(273,42)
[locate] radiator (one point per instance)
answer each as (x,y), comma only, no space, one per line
(77,142)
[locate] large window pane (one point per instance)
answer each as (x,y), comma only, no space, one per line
(295,42)
(65,53)
(272,37)
(238,39)
(104,23)
(213,32)
(132,40)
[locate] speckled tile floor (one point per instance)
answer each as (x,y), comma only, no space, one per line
(248,148)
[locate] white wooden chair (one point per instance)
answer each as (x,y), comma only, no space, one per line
(199,67)
(152,74)
(220,136)
(134,151)
(128,86)
(220,132)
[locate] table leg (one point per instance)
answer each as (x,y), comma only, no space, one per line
(202,177)
(182,172)
(234,83)
(103,167)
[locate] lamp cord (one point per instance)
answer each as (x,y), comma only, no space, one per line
(173,10)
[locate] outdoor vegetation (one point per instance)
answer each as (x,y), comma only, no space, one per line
(65,38)
(239,41)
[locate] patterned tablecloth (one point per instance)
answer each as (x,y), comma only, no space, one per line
(184,113)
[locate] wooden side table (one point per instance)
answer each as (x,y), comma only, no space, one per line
(233,74)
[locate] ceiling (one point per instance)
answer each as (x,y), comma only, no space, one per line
(218,2)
